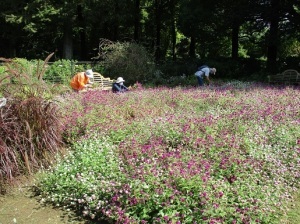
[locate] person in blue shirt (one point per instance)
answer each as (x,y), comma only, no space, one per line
(118,86)
(204,72)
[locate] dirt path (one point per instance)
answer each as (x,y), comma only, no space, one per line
(19,206)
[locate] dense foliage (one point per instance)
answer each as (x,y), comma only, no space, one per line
(224,154)
(267,30)
(31,131)
(129,60)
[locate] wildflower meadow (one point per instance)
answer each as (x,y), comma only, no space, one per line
(228,153)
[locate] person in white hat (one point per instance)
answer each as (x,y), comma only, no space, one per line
(82,80)
(204,71)
(118,86)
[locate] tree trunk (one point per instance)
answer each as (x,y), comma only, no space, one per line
(192,51)
(235,40)
(83,51)
(12,48)
(273,37)
(158,30)
(173,29)
(68,40)
(137,17)
(116,22)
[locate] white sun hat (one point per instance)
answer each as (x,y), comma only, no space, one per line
(213,71)
(89,73)
(120,79)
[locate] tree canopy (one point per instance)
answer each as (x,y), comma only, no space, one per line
(168,29)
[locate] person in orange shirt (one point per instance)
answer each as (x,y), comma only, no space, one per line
(82,80)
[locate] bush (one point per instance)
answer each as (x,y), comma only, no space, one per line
(128,60)
(59,72)
(30,131)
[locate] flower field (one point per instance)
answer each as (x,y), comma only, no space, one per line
(222,154)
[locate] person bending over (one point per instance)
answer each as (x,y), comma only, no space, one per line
(204,72)
(82,80)
(118,86)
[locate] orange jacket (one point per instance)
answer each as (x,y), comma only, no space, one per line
(79,81)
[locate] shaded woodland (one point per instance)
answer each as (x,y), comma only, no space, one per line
(171,30)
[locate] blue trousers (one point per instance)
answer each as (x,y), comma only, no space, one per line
(200,80)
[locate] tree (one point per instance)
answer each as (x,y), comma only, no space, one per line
(199,21)
(273,39)
(282,18)
(235,14)
(9,24)
(137,20)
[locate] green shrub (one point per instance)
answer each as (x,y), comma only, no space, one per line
(62,71)
(59,72)
(128,60)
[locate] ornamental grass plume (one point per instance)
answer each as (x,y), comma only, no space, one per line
(30,132)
